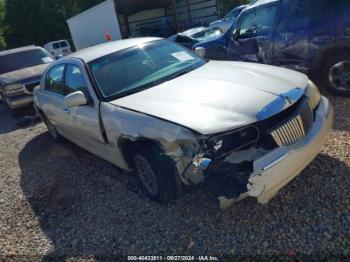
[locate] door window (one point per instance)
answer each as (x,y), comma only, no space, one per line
(306,12)
(54,80)
(63,44)
(260,21)
(74,80)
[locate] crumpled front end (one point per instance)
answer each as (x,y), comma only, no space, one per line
(260,159)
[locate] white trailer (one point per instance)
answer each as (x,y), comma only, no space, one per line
(96,25)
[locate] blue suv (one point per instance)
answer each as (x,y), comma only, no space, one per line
(311,36)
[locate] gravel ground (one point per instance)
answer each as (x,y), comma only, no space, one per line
(58,200)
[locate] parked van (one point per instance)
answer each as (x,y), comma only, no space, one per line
(58,48)
(311,36)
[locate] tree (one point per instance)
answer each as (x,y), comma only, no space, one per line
(2,25)
(226,6)
(39,21)
(33,22)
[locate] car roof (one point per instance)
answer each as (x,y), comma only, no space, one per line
(92,53)
(260,2)
(18,50)
(57,41)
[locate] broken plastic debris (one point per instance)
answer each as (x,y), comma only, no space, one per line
(226,203)
(255,190)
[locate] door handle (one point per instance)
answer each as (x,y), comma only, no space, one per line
(67,111)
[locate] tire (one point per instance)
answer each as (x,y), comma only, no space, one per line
(334,77)
(157,174)
(52,129)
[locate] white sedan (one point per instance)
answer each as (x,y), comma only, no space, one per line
(152,106)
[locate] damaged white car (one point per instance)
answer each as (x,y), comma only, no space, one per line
(152,106)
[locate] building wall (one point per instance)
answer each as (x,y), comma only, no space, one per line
(161,21)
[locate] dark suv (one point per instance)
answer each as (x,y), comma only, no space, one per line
(311,36)
(20,72)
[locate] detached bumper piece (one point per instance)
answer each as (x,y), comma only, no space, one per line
(277,168)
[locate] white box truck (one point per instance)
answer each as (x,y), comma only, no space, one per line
(96,25)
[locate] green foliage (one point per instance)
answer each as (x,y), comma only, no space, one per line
(226,6)
(2,25)
(26,22)
(37,22)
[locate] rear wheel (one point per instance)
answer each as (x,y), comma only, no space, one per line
(336,75)
(157,174)
(52,129)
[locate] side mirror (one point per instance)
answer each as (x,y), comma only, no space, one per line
(75,99)
(200,51)
(235,34)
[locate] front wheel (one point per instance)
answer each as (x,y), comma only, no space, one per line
(157,174)
(336,75)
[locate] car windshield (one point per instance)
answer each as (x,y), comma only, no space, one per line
(137,68)
(17,61)
(234,13)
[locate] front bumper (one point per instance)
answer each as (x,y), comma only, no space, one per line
(19,101)
(277,168)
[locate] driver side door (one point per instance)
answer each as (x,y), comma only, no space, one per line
(251,40)
(83,122)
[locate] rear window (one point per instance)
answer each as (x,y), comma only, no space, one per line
(56,46)
(63,44)
(17,61)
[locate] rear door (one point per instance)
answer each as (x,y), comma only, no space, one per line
(52,98)
(307,26)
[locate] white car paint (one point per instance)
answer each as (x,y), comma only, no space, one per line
(182,112)
(241,91)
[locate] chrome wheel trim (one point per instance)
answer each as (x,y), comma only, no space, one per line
(146,174)
(51,128)
(338,77)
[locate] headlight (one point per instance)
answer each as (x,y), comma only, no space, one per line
(235,140)
(15,89)
(313,94)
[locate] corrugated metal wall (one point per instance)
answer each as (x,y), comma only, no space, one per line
(169,20)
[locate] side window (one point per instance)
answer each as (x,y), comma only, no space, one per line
(74,80)
(306,12)
(63,44)
(56,46)
(342,14)
(261,21)
(247,25)
(54,80)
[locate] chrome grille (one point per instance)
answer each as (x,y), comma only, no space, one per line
(30,87)
(296,127)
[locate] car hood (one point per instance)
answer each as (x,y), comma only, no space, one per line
(23,74)
(219,96)
(208,39)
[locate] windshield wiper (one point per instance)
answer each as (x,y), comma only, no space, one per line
(182,72)
(140,88)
